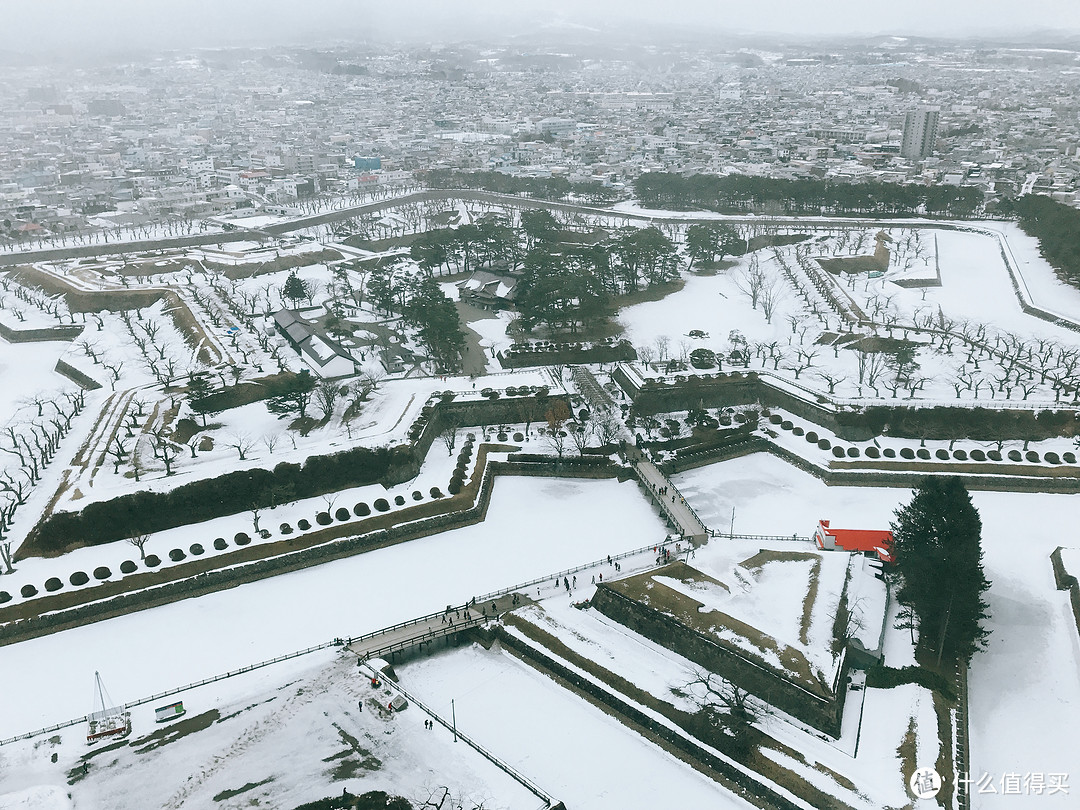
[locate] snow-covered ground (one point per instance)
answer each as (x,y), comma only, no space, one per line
(1024,691)
(238,747)
(870,761)
(534,526)
(32,365)
(570,747)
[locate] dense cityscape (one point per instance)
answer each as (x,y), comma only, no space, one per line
(566,417)
(190,135)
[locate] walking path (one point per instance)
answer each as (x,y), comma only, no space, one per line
(668,497)
(429,629)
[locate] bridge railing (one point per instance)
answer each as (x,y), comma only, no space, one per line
(178,690)
(515,774)
(345,641)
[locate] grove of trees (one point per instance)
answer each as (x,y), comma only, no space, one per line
(737,193)
(1056,226)
(937,546)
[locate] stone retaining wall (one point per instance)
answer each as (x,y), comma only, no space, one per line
(822,713)
(731,776)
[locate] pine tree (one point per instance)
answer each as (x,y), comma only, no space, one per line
(291,394)
(198,391)
(295,289)
(938,554)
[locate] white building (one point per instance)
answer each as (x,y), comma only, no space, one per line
(920,133)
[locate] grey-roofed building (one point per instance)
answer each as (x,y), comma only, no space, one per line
(322,354)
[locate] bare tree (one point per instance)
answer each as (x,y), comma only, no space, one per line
(645,354)
(7,557)
(140,541)
(114,371)
(242,443)
(684,351)
(871,366)
(805,360)
(831,380)
(270,441)
(449,433)
(327,394)
(607,429)
(118,450)
(557,416)
(38,401)
(849,620)
(18,488)
(662,344)
(165,450)
(751,280)
(580,434)
(772,293)
(726,707)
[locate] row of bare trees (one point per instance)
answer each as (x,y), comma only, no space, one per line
(34,442)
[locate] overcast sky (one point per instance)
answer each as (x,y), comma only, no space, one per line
(50,24)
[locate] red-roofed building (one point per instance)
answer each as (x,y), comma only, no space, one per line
(876,541)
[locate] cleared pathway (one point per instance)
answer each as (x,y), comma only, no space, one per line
(667,496)
(428,629)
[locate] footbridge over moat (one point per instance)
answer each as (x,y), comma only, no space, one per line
(426,630)
(667,496)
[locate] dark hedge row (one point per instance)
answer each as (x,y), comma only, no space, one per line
(740,193)
(148,512)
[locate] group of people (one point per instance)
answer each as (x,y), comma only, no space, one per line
(429,724)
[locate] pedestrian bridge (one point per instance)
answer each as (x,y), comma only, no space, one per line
(427,629)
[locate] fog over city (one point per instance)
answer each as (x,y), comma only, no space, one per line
(521,405)
(74,25)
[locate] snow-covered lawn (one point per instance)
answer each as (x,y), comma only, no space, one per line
(1024,692)
(571,748)
(534,526)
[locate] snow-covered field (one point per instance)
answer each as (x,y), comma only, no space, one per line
(570,747)
(534,527)
(1024,691)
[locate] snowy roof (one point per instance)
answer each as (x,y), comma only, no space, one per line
(489,285)
(320,349)
(306,338)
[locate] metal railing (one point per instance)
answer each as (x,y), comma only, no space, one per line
(961,764)
(667,509)
(782,538)
(430,635)
(570,571)
(515,774)
(345,641)
(178,690)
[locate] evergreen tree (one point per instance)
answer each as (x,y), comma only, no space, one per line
(295,289)
(939,558)
(198,390)
(432,249)
(291,394)
(539,226)
(561,289)
(712,241)
(438,326)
